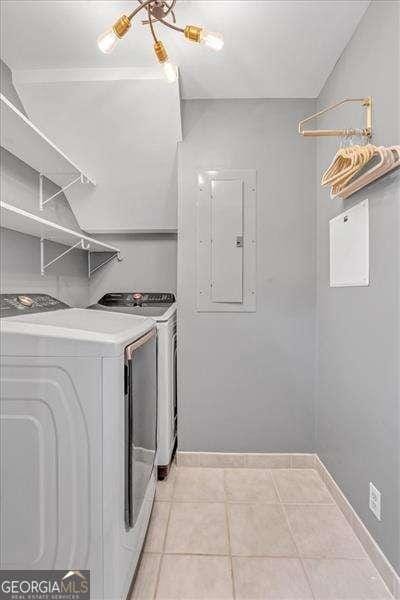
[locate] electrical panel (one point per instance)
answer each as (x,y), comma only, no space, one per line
(226,241)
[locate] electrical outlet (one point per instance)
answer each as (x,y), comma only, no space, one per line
(375,501)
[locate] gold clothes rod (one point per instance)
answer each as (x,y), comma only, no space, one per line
(367,131)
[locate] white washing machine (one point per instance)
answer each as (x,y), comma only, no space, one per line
(161,307)
(78,439)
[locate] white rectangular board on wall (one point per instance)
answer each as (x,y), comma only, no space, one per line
(349,247)
(226,241)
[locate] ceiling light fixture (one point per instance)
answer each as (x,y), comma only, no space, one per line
(158,11)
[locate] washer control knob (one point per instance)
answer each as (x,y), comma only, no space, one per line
(137,296)
(25,300)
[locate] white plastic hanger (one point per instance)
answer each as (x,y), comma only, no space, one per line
(347,162)
(389,160)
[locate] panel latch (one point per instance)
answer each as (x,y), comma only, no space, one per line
(239,241)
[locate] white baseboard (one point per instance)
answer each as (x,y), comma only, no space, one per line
(249,460)
(374,552)
(301,461)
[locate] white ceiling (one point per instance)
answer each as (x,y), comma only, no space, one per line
(273,49)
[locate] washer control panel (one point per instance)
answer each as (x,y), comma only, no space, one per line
(137,299)
(24,304)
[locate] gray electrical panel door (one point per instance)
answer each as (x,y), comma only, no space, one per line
(227,240)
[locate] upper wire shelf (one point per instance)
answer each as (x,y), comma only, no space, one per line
(25,141)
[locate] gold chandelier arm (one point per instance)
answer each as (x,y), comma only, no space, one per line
(153,18)
(175,27)
(139,8)
(153,33)
(170,8)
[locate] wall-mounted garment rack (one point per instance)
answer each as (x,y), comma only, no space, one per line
(354,166)
(366,103)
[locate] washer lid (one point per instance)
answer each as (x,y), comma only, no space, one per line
(158,313)
(73,332)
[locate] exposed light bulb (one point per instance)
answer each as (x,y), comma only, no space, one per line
(107,41)
(170,71)
(215,41)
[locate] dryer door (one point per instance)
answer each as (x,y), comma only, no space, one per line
(140,421)
(48,426)
(174,390)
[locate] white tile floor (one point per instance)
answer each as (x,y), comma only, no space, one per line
(219,534)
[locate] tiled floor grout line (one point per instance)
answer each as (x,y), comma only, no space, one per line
(227,502)
(293,461)
(229,535)
(291,533)
(263,502)
(269,556)
(165,537)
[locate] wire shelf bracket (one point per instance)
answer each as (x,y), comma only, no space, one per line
(81,245)
(91,270)
(366,103)
(82,179)
(44,266)
(17,219)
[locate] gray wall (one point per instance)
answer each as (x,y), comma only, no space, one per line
(7,88)
(149,264)
(246,380)
(20,270)
(357,400)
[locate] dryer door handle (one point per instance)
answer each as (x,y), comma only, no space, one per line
(129,350)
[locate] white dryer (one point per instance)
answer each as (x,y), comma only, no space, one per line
(78,434)
(161,307)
